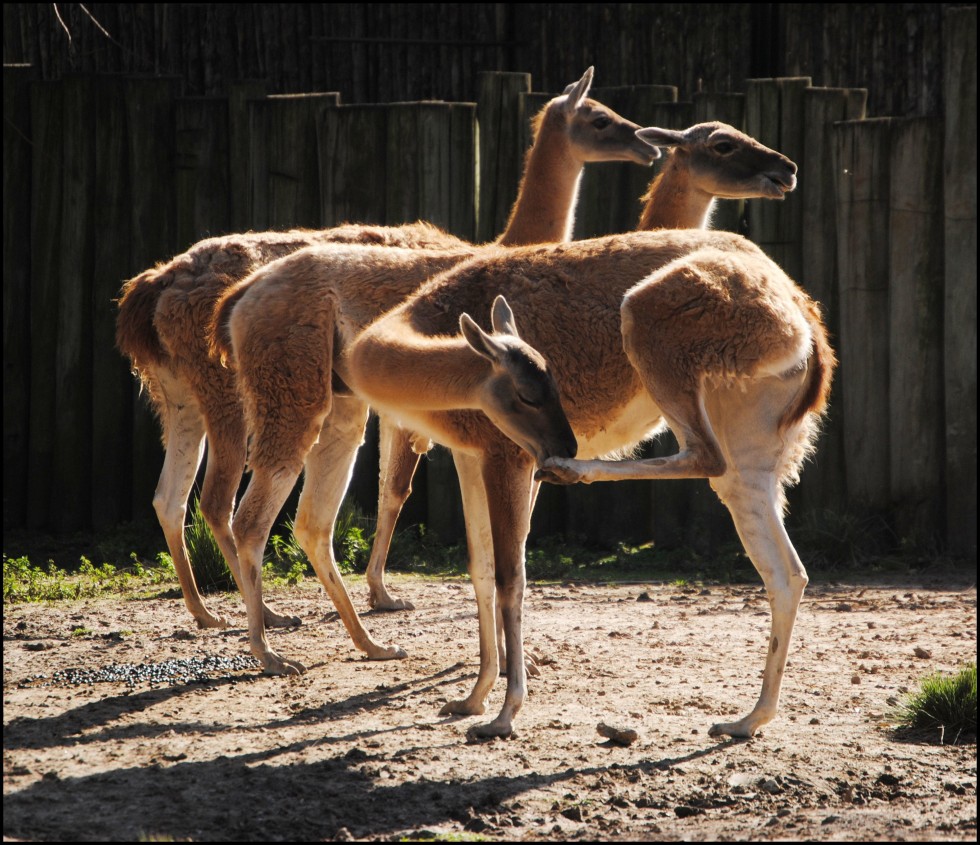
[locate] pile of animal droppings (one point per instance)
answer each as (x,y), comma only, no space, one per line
(178,670)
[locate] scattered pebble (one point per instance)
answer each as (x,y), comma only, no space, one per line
(619,735)
(922,652)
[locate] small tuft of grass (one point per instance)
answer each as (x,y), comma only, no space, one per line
(211,572)
(943,709)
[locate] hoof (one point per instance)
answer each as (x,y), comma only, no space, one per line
(491,730)
(273,664)
(463,707)
(387,604)
(209,620)
(275,620)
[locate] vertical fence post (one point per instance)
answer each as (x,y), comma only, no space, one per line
(240,94)
(861,156)
(112,384)
(774,116)
(153,233)
(285,159)
(960,198)
(17,151)
(915,301)
(353,150)
(48,130)
(823,485)
(203,173)
(498,113)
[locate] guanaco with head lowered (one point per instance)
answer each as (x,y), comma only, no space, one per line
(164,315)
(705,162)
(697,330)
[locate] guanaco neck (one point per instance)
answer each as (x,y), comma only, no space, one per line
(672,202)
(544,211)
(414,372)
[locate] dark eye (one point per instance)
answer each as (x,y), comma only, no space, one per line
(724,148)
(601,122)
(531,403)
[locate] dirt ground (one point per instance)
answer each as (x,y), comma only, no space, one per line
(356,749)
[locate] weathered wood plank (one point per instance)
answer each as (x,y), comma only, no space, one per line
(861,157)
(960,198)
(110,488)
(823,483)
(47,173)
(153,235)
(774,116)
(915,370)
(17,148)
(352,144)
(202,179)
(498,114)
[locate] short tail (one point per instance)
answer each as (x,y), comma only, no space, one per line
(136,335)
(219,331)
(821,364)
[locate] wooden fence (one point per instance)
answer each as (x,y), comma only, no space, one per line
(107,175)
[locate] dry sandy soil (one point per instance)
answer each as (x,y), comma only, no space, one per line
(357,750)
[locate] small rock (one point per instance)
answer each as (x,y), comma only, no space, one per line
(619,735)
(924,653)
(343,835)
(574,814)
(644,596)
(683,811)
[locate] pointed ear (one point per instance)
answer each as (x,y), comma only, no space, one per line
(660,137)
(577,91)
(502,318)
(481,343)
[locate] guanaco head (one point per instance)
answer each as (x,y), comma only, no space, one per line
(595,131)
(724,162)
(520,397)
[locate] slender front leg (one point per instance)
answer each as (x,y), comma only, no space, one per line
(329,466)
(507,480)
(398,464)
(479,541)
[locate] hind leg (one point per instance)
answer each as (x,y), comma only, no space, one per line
(398,464)
(329,466)
(183,449)
(253,521)
(226,465)
(752,498)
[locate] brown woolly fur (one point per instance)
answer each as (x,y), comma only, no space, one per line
(163,327)
(135,335)
(284,376)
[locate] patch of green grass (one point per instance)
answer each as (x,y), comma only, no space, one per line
(24,581)
(943,709)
